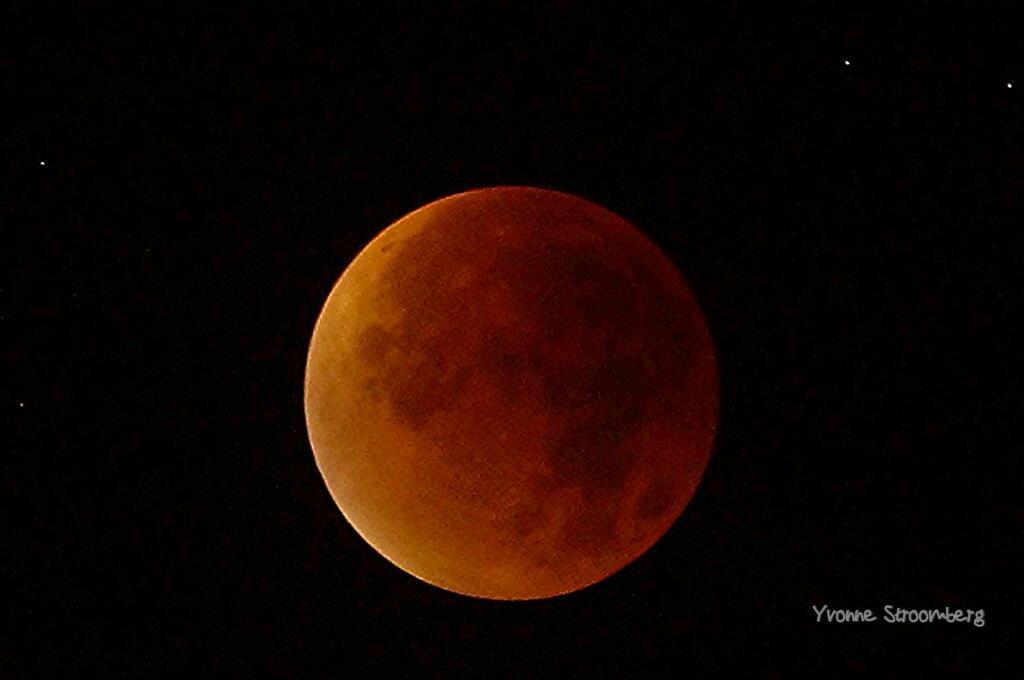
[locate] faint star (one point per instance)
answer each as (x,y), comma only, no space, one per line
(846,61)
(21,404)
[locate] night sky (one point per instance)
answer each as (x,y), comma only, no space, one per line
(183,185)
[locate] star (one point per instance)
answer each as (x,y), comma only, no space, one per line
(846,61)
(1009,85)
(42,162)
(21,404)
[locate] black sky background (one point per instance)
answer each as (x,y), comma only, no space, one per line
(850,231)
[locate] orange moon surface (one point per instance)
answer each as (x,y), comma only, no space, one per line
(511,393)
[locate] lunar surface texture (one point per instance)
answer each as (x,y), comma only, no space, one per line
(511,393)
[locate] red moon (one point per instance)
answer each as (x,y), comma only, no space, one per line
(511,393)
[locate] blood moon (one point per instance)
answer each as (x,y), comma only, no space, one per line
(511,393)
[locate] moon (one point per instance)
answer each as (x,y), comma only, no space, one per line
(511,393)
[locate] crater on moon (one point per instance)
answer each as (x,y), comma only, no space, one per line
(511,393)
